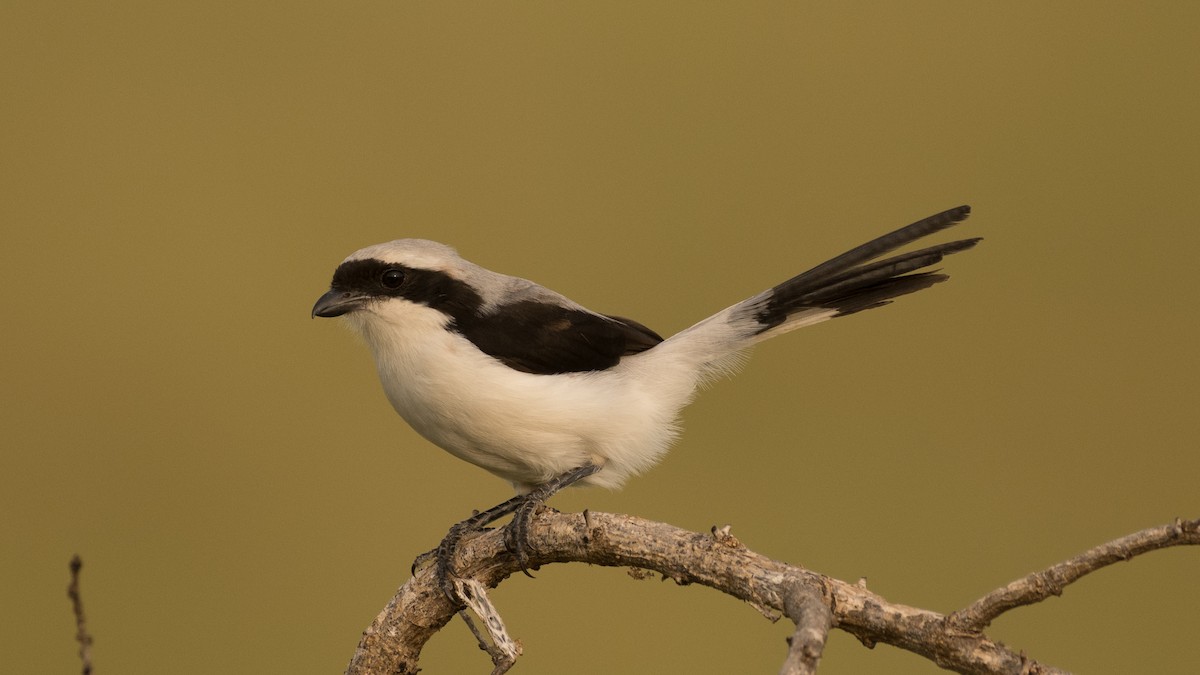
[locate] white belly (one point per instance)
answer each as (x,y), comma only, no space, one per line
(522,427)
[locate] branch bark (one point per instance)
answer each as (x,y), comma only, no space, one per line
(393,642)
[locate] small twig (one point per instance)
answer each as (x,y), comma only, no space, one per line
(808,607)
(502,648)
(1040,585)
(484,645)
(81,634)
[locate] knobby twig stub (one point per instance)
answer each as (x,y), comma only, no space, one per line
(808,606)
(815,602)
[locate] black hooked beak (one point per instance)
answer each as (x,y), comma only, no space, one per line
(336,303)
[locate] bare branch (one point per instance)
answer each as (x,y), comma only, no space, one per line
(81,633)
(393,642)
(1040,585)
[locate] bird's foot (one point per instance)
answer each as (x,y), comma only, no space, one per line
(432,554)
(444,557)
(516,535)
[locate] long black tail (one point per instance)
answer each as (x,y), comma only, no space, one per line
(847,285)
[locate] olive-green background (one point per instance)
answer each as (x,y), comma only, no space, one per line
(179,181)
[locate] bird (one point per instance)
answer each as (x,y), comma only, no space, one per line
(544,393)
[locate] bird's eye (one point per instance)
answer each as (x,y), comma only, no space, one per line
(392,278)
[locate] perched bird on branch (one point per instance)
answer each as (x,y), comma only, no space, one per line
(543,392)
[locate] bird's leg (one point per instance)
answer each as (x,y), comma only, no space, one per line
(516,535)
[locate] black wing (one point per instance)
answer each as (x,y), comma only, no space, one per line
(545,339)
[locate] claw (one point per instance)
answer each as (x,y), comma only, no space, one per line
(445,561)
(516,535)
(422,560)
(448,548)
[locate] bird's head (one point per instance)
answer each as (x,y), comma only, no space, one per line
(396,276)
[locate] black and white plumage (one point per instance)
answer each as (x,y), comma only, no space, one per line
(530,385)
